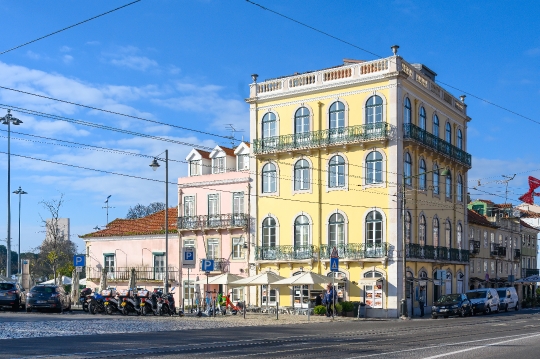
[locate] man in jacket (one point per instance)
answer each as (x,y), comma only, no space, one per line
(329,299)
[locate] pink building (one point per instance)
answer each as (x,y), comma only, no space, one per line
(214,202)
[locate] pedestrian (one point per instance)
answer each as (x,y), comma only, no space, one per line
(319,300)
(422,299)
(329,298)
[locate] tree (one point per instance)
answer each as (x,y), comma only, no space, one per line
(57,250)
(140,211)
(3,262)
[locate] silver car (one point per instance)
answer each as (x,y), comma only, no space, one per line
(12,295)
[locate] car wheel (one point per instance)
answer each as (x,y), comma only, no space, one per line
(488,310)
(15,307)
(506,308)
(446,317)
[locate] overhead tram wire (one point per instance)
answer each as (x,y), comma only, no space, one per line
(380,57)
(69,27)
(123,152)
(219,190)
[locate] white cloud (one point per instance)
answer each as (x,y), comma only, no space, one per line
(67,59)
(129,57)
(33,55)
(65,49)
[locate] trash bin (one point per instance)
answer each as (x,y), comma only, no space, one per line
(362,310)
(356,306)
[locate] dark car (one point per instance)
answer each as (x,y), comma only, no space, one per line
(12,295)
(48,297)
(451,305)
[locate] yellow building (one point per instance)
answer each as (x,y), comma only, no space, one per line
(331,149)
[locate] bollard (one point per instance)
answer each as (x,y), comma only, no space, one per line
(277,310)
(214,309)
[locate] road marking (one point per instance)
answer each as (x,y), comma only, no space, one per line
(481,347)
(439,345)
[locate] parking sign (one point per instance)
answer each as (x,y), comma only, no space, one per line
(188,257)
(79,260)
(207,265)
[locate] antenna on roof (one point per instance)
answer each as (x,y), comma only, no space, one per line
(508,179)
(229,127)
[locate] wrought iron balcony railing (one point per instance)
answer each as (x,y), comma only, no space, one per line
(474,247)
(237,220)
(355,250)
(220,265)
(284,253)
(517,254)
(418,251)
(494,249)
(141,273)
(323,138)
(413,132)
(501,251)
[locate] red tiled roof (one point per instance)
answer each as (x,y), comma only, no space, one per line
(152,224)
(528,214)
(525,224)
(247,144)
(476,218)
(228,151)
(485,201)
(503,205)
(204,154)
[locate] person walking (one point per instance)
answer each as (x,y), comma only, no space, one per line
(422,299)
(329,299)
(319,300)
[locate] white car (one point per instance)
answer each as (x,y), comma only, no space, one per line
(485,300)
(508,298)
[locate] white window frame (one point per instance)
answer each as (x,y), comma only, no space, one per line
(237,248)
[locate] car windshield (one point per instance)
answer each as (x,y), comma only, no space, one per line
(477,295)
(449,298)
(44,289)
(6,286)
(502,293)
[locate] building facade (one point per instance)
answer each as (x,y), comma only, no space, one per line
(333,150)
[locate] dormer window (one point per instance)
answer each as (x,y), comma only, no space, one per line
(195,168)
(218,165)
(243,162)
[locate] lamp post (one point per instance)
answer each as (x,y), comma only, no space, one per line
(155,166)
(8,120)
(19,192)
(404,309)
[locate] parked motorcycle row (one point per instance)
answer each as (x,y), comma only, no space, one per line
(125,302)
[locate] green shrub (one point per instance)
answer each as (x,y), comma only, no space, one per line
(339,308)
(347,306)
(319,310)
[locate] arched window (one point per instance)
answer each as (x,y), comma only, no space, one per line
(407,169)
(448,133)
(269,125)
(435,232)
(422,181)
(407,111)
(460,188)
(459,234)
(374,167)
(336,172)
(269,232)
(336,231)
(301,232)
(448,233)
(301,120)
(407,227)
(374,229)
(422,230)
(422,118)
(373,293)
(459,139)
(337,115)
(436,126)
(435,179)
(374,107)
(448,185)
(269,178)
(301,175)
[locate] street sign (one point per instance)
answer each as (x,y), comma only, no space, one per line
(334,264)
(79,260)
(441,274)
(207,265)
(188,257)
(334,253)
(78,269)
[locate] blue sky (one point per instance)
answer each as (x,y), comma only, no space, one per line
(189,63)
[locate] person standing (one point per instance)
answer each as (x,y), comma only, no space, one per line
(422,299)
(319,300)
(329,299)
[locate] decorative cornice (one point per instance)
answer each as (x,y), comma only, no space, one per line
(217,182)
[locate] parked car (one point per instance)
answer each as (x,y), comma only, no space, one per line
(508,298)
(451,305)
(48,297)
(484,300)
(12,295)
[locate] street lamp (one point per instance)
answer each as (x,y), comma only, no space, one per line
(19,192)
(155,166)
(444,173)
(8,120)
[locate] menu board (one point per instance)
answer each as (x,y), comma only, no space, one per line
(374,296)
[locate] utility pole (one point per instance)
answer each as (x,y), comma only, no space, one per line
(107,207)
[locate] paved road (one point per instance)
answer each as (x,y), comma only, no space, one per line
(508,335)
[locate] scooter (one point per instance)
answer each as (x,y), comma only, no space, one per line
(95,303)
(111,302)
(148,302)
(166,303)
(83,297)
(129,303)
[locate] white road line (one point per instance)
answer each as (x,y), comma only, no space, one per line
(480,347)
(439,345)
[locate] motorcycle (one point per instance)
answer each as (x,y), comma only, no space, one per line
(95,303)
(82,298)
(111,302)
(129,303)
(166,304)
(149,302)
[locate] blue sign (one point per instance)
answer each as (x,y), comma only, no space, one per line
(188,256)
(79,260)
(334,264)
(207,265)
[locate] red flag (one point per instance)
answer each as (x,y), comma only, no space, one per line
(534,183)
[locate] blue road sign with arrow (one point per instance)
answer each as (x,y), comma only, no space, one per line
(334,264)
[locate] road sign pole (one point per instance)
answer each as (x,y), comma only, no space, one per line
(189,292)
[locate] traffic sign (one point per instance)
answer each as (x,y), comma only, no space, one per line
(207,265)
(188,257)
(334,264)
(79,260)
(334,253)
(78,269)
